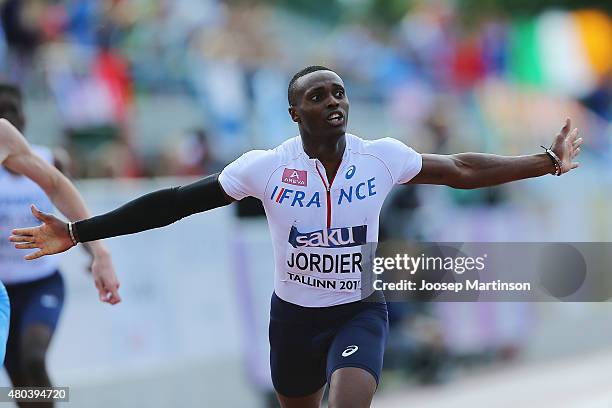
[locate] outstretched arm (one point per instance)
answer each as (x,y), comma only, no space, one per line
(475,170)
(150,211)
(154,210)
(18,157)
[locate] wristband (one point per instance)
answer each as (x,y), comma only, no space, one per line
(555,160)
(71,233)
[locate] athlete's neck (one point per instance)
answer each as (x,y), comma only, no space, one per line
(328,151)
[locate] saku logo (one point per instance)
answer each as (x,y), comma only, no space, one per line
(329,238)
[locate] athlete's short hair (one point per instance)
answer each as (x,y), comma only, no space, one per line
(10,89)
(301,73)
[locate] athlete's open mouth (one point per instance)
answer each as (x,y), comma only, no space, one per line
(336,118)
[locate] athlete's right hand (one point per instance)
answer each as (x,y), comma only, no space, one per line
(51,237)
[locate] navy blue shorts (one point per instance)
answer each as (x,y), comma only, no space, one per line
(307,344)
(32,303)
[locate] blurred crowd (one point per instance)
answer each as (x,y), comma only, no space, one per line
(434,78)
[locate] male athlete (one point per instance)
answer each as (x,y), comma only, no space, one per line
(322,193)
(36,289)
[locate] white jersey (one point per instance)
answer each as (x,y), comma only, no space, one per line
(17,193)
(320,229)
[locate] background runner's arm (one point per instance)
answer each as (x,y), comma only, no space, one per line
(155,210)
(17,156)
(22,160)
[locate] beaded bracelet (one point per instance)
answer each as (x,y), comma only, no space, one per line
(555,160)
(71,233)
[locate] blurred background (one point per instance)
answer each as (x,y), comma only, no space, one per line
(146,94)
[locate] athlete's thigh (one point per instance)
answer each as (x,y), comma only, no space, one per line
(351,387)
(309,401)
(297,351)
(297,367)
(40,314)
(12,360)
(360,342)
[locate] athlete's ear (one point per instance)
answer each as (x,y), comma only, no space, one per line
(294,115)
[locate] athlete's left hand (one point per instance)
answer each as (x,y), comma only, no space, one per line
(104,276)
(567,146)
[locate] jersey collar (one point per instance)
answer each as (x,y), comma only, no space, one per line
(313,162)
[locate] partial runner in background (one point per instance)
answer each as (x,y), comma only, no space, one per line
(5,318)
(36,289)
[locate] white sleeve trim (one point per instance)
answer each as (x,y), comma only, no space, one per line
(230,186)
(416,169)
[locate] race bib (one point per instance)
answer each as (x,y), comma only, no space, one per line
(330,259)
